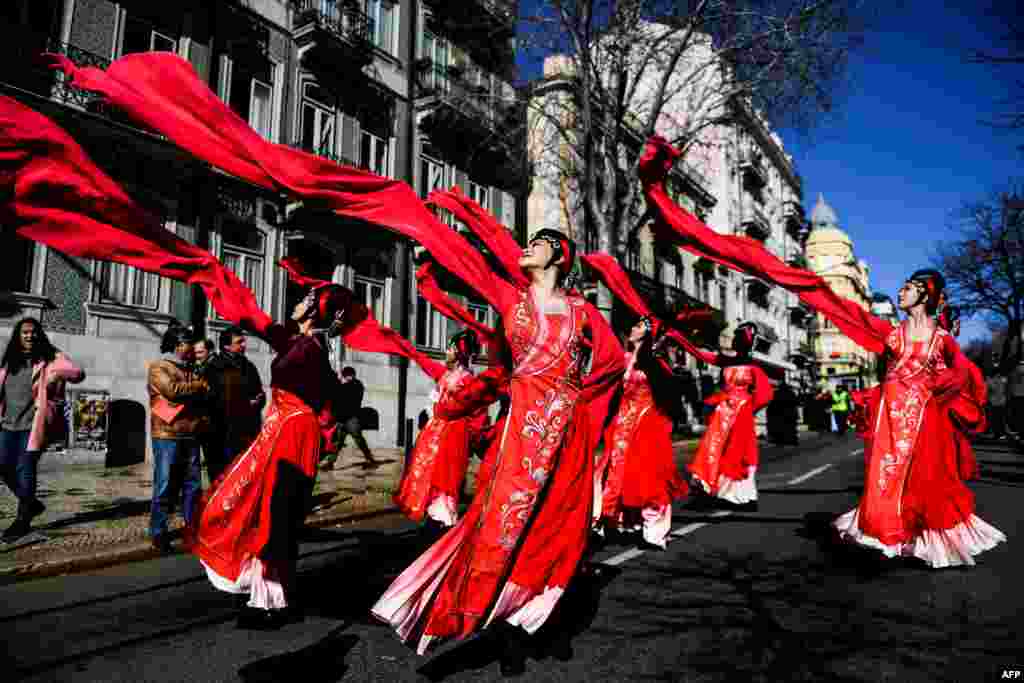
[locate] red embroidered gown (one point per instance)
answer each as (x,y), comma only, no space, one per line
(247,523)
(513,554)
(437,466)
(915,502)
(641,479)
(726,459)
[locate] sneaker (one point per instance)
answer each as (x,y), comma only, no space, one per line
(20,528)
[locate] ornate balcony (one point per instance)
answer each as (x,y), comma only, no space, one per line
(469,120)
(485,28)
(754,172)
(34,75)
(755,224)
(796,224)
(338,30)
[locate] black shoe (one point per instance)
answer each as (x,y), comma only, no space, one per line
(36,508)
(255,619)
(162,544)
(746,507)
(20,528)
(512,666)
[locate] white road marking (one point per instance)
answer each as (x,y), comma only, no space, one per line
(633,553)
(804,477)
(678,533)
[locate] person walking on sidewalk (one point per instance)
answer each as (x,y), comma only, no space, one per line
(178,403)
(841,408)
(33,374)
(996,407)
(236,402)
(350,402)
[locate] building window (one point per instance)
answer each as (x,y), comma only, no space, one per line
(479,194)
(437,52)
(252,97)
(375,153)
(723,300)
(383,24)
(243,250)
(432,175)
(370,291)
(142,36)
(318,122)
(704,287)
(431,326)
(128,285)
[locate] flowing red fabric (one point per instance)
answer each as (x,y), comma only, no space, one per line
(675,224)
(611,273)
(60,198)
(426,285)
(493,234)
(162,91)
(362,331)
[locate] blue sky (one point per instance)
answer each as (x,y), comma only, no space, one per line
(909,144)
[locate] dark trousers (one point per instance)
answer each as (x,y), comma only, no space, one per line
(18,466)
(351,427)
(176,472)
(996,419)
(841,423)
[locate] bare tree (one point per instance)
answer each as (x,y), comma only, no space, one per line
(984,262)
(618,71)
(1005,54)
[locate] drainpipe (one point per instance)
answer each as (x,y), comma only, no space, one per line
(404,434)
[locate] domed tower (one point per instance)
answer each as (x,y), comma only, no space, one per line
(830,253)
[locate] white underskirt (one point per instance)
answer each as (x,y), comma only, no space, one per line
(521,607)
(953,547)
(738,492)
(263,593)
(442,509)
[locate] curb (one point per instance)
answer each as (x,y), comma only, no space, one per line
(143,551)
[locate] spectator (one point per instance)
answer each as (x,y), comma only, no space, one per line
(1015,396)
(840,408)
(783,415)
(203,353)
(236,400)
(32,377)
(823,403)
(350,401)
(996,407)
(178,399)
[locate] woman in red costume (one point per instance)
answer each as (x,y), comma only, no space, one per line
(433,478)
(642,479)
(726,460)
(514,552)
(248,523)
(915,503)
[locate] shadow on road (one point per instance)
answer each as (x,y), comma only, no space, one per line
(759,617)
(809,492)
(321,662)
(574,614)
(130,508)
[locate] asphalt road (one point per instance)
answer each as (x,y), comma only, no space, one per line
(736,597)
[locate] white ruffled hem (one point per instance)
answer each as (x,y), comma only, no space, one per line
(263,593)
(738,491)
(522,608)
(442,509)
(657,525)
(953,547)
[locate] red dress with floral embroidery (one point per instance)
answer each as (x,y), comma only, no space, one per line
(915,502)
(727,456)
(437,466)
(642,478)
(513,553)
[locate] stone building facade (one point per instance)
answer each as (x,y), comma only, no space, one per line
(740,181)
(417,90)
(830,253)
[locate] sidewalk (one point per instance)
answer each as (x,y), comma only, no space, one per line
(98,516)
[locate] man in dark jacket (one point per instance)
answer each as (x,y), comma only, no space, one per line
(236,400)
(347,409)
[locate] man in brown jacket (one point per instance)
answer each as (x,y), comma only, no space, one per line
(177,402)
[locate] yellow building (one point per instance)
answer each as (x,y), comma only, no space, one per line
(830,253)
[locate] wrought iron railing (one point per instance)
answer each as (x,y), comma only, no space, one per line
(345,20)
(450,85)
(332,156)
(35,75)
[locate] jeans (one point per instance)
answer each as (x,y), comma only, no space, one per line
(18,464)
(176,471)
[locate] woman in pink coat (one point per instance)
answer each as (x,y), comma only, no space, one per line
(32,378)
